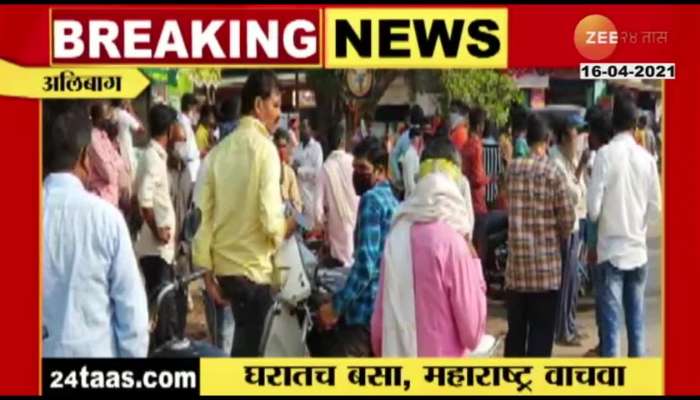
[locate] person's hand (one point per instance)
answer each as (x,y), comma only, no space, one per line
(326,316)
(585,157)
(291,227)
(214,290)
(164,234)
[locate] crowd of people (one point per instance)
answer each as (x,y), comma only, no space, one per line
(408,220)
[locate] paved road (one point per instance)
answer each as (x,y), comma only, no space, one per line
(497,323)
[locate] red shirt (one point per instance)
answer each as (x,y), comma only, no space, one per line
(473,169)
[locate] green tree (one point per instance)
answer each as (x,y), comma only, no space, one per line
(493,90)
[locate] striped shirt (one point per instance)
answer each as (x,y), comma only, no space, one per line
(540,218)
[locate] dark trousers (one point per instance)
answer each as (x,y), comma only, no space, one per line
(172,315)
(341,341)
(250,303)
(530,323)
(484,225)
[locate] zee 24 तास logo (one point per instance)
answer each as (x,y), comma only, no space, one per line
(596,37)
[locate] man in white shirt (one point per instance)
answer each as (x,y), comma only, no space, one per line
(155,246)
(337,201)
(128,126)
(411,162)
(188,117)
(94,304)
(624,197)
(308,161)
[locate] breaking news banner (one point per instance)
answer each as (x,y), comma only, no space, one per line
(324,200)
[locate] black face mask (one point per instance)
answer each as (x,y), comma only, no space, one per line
(362,181)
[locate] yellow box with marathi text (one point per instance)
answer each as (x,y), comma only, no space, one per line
(423,376)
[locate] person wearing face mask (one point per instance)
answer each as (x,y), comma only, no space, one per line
(181,187)
(565,156)
(106,165)
(540,219)
(206,133)
(242,215)
(94,303)
(308,160)
(189,118)
(155,245)
(290,188)
(459,133)
(345,320)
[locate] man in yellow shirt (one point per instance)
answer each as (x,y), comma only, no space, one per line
(206,130)
(243,221)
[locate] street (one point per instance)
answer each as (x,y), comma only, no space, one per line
(497,324)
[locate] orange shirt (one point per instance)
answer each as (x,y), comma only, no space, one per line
(459,136)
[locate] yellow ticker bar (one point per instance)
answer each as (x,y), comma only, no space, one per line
(416,38)
(70,83)
(426,376)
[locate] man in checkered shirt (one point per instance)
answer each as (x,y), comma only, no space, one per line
(541,217)
(346,319)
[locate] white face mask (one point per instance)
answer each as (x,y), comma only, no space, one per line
(181,151)
(455,119)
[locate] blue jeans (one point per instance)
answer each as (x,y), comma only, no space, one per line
(598,286)
(621,292)
(221,324)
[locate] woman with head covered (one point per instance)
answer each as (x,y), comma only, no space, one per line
(431,300)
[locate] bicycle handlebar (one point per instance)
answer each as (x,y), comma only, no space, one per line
(180,282)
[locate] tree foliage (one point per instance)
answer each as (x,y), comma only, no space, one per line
(493,90)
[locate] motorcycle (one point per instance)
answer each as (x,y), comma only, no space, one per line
(497,260)
(494,266)
(178,346)
(305,286)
